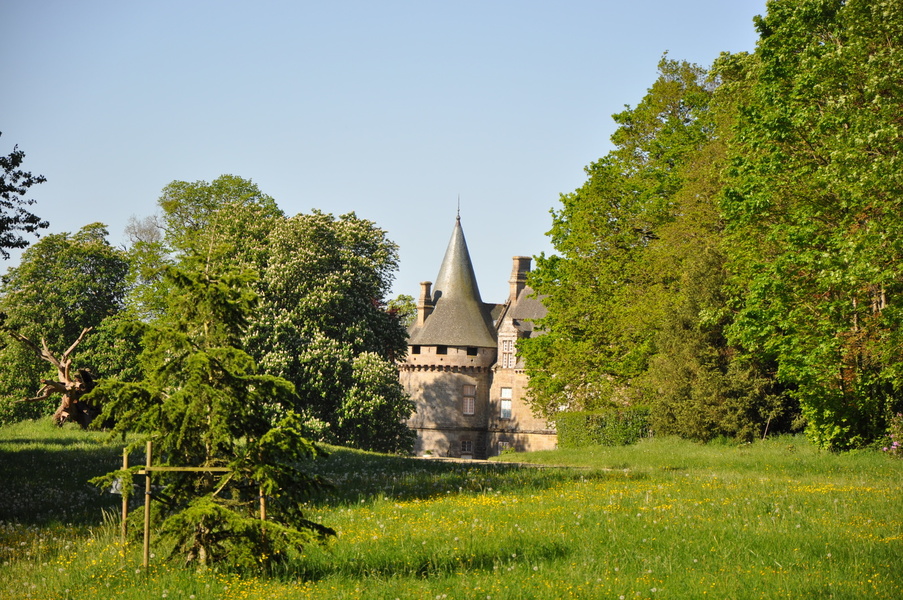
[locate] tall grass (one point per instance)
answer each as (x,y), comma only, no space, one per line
(661,519)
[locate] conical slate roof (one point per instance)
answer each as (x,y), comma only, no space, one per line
(459,318)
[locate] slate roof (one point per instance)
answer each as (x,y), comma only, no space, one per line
(459,317)
(526,309)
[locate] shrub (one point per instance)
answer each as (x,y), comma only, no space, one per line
(611,427)
(895,436)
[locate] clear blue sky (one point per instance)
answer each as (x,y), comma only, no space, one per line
(389,109)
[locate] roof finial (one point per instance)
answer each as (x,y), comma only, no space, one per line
(459,208)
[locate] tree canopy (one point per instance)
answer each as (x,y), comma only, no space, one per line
(323,324)
(813,207)
(15,219)
(321,321)
(734,262)
(63,284)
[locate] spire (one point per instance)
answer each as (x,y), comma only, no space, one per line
(459,317)
(456,276)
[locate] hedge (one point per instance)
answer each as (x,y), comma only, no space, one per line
(612,427)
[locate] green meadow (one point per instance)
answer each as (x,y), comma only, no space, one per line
(661,519)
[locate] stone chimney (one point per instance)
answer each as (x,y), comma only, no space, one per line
(518,279)
(425,303)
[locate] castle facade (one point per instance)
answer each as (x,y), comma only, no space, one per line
(462,369)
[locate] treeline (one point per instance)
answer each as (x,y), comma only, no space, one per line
(218,276)
(735,262)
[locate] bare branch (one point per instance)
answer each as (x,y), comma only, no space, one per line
(72,389)
(66,362)
(47,355)
(25,341)
(50,388)
(84,332)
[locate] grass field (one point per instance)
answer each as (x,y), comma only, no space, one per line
(662,519)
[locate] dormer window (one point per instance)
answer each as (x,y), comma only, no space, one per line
(508,357)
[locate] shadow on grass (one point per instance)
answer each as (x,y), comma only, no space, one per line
(61,442)
(361,477)
(50,484)
(421,564)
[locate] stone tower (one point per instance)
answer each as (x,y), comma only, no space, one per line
(451,349)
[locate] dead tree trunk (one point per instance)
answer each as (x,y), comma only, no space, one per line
(71,385)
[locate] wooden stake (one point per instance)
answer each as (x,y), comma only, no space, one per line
(146,471)
(125,496)
(147,502)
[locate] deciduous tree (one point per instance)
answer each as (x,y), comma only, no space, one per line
(600,328)
(323,325)
(814,209)
(15,219)
(638,297)
(322,283)
(64,284)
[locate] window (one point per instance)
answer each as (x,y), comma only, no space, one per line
(508,359)
(466,447)
(415,349)
(441,349)
(471,351)
(470,397)
(505,395)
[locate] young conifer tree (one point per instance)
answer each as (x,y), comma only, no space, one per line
(203,403)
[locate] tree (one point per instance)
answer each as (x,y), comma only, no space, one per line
(204,403)
(198,216)
(64,284)
(698,383)
(322,283)
(14,218)
(229,215)
(600,328)
(70,384)
(403,308)
(375,407)
(813,206)
(323,325)
(638,297)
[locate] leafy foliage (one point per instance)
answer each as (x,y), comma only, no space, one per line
(204,404)
(734,262)
(404,308)
(323,326)
(228,220)
(200,216)
(321,321)
(600,331)
(375,407)
(63,284)
(612,427)
(895,436)
(813,205)
(14,218)
(637,297)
